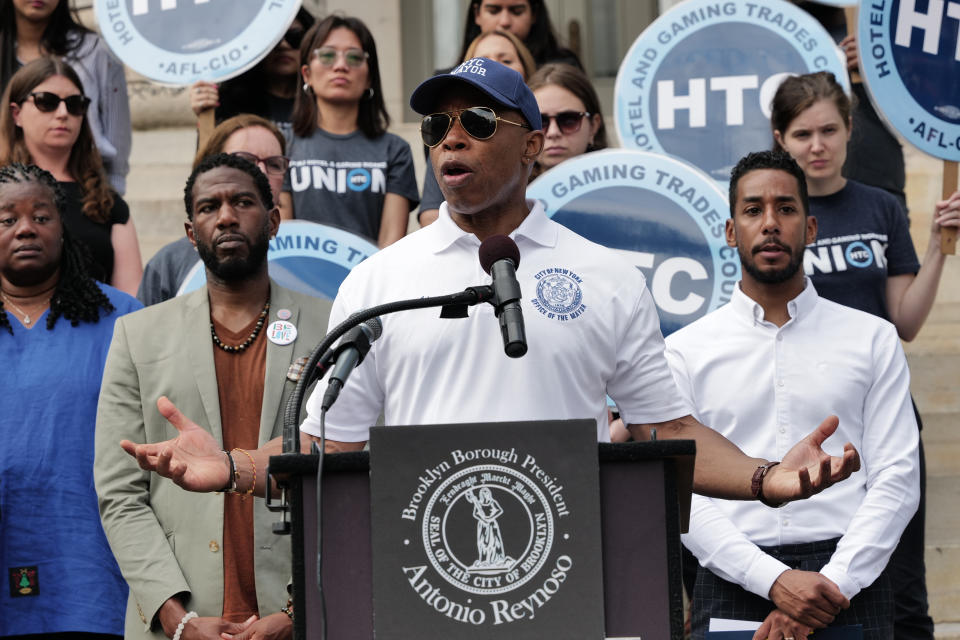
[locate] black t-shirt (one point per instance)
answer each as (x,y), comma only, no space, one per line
(94,235)
(863,238)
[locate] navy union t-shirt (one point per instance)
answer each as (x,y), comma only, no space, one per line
(863,237)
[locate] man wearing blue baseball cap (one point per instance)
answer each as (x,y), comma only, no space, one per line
(591,323)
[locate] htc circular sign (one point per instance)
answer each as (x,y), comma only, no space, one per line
(665,216)
(910,60)
(698,82)
(304,256)
(182,41)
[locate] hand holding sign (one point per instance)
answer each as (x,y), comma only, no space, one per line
(903,46)
(181,41)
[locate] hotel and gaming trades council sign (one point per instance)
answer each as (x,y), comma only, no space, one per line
(697,83)
(181,41)
(486,531)
(663,215)
(910,59)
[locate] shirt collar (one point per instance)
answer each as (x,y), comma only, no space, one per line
(536,227)
(798,308)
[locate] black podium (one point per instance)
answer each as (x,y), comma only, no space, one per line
(644,501)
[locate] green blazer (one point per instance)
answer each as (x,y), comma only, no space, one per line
(167,540)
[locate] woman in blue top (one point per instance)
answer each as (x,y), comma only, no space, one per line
(56,324)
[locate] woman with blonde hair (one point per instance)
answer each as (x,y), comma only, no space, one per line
(570,110)
(44,122)
(505,48)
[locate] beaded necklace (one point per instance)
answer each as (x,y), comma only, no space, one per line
(229,348)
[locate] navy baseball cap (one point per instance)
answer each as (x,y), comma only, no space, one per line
(502,84)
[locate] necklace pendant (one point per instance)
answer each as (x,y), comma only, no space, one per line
(26,319)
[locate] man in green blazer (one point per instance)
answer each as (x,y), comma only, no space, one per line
(202,564)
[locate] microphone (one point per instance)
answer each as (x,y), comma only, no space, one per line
(350,353)
(500,257)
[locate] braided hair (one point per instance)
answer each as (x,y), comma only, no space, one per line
(76,297)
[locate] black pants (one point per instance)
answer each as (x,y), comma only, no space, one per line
(908,572)
(714,597)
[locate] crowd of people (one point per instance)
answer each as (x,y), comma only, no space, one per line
(99,543)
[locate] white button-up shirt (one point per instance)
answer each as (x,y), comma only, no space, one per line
(765,387)
(591,326)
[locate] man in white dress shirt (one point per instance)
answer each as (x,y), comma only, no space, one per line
(757,370)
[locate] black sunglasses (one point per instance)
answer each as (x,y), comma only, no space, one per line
(273,164)
(567,121)
(478,122)
(294,37)
(47,102)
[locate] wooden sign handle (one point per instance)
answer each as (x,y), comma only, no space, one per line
(205,126)
(851,15)
(948,235)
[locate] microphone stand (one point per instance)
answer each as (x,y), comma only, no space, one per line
(453,306)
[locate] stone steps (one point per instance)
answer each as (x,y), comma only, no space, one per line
(160,162)
(935,373)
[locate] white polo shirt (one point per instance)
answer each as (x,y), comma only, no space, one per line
(591,327)
(765,387)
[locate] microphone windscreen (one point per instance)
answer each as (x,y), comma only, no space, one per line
(375,326)
(497,248)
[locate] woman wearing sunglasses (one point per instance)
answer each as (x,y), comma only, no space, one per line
(266,90)
(30,29)
(247,136)
(345,169)
(44,122)
(570,110)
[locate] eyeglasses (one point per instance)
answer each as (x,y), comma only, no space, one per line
(327,56)
(478,122)
(567,121)
(294,37)
(272,164)
(46,102)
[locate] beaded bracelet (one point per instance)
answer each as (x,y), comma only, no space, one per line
(288,608)
(253,464)
(189,615)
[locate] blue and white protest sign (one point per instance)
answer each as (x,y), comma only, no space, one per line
(305,256)
(182,41)
(665,216)
(698,82)
(910,60)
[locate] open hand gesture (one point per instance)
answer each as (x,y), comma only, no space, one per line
(808,469)
(192,460)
